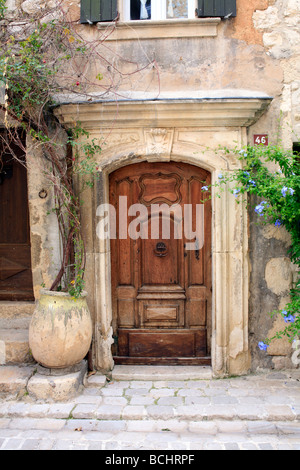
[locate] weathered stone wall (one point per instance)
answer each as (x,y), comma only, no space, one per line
(258,51)
(270,282)
(280,28)
(272,274)
(45,243)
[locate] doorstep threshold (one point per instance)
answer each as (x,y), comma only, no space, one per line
(153,373)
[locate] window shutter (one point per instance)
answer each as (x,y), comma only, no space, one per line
(93,11)
(211,8)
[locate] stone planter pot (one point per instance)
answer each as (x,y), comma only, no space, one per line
(60,330)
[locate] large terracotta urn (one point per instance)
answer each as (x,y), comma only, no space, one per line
(60,330)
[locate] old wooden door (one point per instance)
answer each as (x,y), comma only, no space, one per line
(15,258)
(161,270)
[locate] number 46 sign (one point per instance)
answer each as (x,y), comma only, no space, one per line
(261,139)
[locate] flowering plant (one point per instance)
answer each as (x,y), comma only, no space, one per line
(279,191)
(32,77)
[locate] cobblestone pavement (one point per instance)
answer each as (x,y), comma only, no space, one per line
(257,412)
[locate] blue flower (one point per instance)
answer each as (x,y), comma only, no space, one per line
(204,188)
(236,192)
(259,210)
(278,223)
(220,176)
(262,346)
(286,190)
(252,182)
(289,319)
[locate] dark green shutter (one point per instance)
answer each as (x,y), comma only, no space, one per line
(216,8)
(93,11)
(108,10)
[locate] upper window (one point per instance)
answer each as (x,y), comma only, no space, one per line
(158,9)
(94,11)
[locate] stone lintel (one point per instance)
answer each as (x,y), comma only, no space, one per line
(193,112)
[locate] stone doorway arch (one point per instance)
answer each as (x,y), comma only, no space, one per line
(187,131)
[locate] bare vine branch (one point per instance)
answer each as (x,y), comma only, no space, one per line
(47,55)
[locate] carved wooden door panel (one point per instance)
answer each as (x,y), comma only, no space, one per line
(161,272)
(15,256)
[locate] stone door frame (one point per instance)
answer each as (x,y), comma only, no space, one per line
(163,132)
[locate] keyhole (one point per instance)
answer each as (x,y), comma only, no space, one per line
(160,249)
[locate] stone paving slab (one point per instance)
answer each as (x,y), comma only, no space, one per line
(257,412)
(89,435)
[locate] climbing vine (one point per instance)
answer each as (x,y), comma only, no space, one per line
(279,194)
(48,55)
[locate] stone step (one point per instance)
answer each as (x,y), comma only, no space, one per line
(18,323)
(14,346)
(260,400)
(105,405)
(14,380)
(10,310)
(123,372)
(14,324)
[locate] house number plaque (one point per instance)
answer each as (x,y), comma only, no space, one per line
(261,139)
